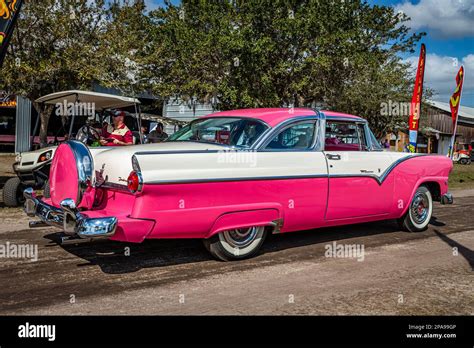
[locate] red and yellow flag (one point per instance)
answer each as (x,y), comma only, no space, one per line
(454,103)
(456,97)
(415,106)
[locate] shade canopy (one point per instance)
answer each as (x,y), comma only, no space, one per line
(101,100)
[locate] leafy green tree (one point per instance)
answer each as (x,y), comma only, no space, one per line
(67,44)
(343,55)
(127,37)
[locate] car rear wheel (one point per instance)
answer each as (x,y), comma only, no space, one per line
(463,161)
(419,213)
(236,244)
(13,192)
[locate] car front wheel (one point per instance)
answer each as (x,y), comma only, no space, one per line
(419,213)
(236,244)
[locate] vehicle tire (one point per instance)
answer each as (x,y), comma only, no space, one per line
(13,192)
(46,190)
(236,244)
(463,161)
(418,216)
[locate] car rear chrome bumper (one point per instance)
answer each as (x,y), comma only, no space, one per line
(447,198)
(77,226)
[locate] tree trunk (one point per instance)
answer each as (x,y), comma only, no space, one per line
(44,112)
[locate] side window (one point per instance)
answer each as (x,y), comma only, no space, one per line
(345,136)
(299,136)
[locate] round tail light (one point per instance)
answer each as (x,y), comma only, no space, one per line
(134,182)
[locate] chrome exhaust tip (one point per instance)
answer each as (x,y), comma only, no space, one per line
(447,198)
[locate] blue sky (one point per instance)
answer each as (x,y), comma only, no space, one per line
(449,25)
(449,40)
(152,4)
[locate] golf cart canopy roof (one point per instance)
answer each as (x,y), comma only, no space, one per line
(101,100)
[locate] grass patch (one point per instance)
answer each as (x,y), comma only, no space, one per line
(462,176)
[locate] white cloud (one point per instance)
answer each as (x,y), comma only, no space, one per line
(446,18)
(440,75)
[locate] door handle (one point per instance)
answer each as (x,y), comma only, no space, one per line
(366,171)
(333,157)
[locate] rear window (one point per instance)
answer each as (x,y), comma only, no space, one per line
(345,136)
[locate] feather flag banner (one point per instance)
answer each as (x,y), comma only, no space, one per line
(9,10)
(415,106)
(454,103)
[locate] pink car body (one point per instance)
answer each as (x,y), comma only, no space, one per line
(189,189)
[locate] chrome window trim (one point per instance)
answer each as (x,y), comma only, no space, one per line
(267,136)
(268,140)
(357,122)
(369,138)
(346,119)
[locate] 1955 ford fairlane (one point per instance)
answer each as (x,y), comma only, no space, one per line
(232,177)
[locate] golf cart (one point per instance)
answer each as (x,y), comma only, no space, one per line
(463,153)
(32,167)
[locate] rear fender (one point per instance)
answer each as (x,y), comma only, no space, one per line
(244,219)
(441,181)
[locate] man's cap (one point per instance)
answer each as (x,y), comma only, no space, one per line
(118,113)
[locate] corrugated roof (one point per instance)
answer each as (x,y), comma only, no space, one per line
(464,111)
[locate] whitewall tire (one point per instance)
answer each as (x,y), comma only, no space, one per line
(419,212)
(236,244)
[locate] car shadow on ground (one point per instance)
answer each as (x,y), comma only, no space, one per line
(119,257)
(465,252)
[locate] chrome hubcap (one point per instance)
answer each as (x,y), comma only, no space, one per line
(420,208)
(240,238)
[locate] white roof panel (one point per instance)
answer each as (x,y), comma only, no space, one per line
(101,100)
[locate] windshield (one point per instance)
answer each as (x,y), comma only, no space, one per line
(375,143)
(232,131)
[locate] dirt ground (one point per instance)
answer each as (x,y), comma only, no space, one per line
(6,170)
(400,273)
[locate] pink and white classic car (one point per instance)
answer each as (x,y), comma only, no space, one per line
(234,176)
